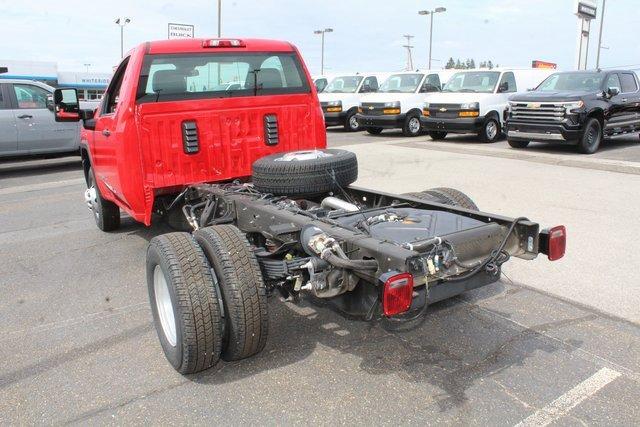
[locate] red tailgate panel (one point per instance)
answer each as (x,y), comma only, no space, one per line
(230,138)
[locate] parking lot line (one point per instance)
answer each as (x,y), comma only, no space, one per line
(40,186)
(562,405)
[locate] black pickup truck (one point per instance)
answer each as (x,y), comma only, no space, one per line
(577,107)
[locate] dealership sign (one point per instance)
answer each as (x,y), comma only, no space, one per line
(180,31)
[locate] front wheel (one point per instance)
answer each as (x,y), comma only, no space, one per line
(105,212)
(437,135)
(351,123)
(412,126)
(490,131)
(518,144)
(374,131)
(591,137)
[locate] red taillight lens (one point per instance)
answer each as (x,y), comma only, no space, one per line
(223,43)
(397,294)
(557,242)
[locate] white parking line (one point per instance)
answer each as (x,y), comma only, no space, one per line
(562,405)
(40,186)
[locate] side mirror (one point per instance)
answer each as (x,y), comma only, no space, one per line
(504,87)
(612,91)
(365,89)
(66,105)
(429,88)
(49,102)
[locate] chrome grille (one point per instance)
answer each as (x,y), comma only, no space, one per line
(537,112)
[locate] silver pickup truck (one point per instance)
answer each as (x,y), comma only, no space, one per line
(27,123)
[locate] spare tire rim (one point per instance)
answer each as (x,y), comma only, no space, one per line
(414,125)
(296,156)
(492,129)
(164,305)
(353,123)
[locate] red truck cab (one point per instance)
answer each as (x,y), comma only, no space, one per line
(183,112)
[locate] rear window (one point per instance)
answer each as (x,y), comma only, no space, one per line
(219,75)
(628,83)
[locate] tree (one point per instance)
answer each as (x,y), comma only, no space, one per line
(470,63)
(450,64)
(459,65)
(483,64)
(489,64)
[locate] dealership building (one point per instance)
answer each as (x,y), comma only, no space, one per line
(89,85)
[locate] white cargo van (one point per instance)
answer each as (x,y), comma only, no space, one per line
(398,102)
(341,97)
(474,101)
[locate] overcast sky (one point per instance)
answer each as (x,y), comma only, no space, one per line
(367,33)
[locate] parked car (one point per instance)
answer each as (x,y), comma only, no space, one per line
(269,208)
(341,98)
(474,101)
(399,100)
(27,122)
(578,108)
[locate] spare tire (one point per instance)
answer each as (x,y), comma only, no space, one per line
(305,173)
(446,196)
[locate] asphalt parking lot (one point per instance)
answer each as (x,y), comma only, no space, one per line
(550,344)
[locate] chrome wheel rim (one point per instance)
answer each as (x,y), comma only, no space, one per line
(164,306)
(91,199)
(414,125)
(353,123)
(296,156)
(492,130)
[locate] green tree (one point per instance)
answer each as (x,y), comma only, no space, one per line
(450,64)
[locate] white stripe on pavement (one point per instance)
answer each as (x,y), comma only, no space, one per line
(562,405)
(40,186)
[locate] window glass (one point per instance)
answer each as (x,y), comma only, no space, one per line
(371,82)
(572,81)
(1,98)
(219,75)
(321,84)
(628,83)
(344,84)
(509,79)
(112,97)
(431,83)
(613,81)
(472,81)
(30,96)
(401,83)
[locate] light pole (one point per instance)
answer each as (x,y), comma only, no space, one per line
(122,22)
(87,65)
(219,18)
(431,13)
(600,47)
(322,32)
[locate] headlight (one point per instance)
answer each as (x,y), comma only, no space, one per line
(573,106)
(395,104)
(470,106)
(334,104)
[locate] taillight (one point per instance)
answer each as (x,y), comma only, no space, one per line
(557,242)
(223,43)
(397,294)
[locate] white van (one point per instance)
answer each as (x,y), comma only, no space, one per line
(341,97)
(474,101)
(398,102)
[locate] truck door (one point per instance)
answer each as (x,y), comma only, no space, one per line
(615,114)
(8,131)
(630,100)
(37,129)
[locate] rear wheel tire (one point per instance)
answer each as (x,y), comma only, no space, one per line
(437,135)
(244,295)
(592,137)
(518,144)
(351,123)
(305,173)
(374,131)
(446,196)
(184,302)
(411,126)
(105,212)
(490,131)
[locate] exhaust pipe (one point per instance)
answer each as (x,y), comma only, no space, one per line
(338,204)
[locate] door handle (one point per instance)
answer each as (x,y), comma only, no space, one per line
(25,116)
(106,132)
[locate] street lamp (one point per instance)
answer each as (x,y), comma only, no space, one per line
(122,22)
(219,18)
(431,13)
(87,65)
(600,47)
(321,32)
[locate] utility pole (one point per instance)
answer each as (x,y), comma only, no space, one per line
(87,65)
(431,13)
(122,22)
(219,18)
(600,35)
(322,33)
(408,46)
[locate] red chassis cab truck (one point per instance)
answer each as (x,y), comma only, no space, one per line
(228,136)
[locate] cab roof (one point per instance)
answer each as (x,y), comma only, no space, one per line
(197,45)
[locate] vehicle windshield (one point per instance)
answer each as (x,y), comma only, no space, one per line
(220,75)
(401,83)
(472,81)
(574,82)
(344,84)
